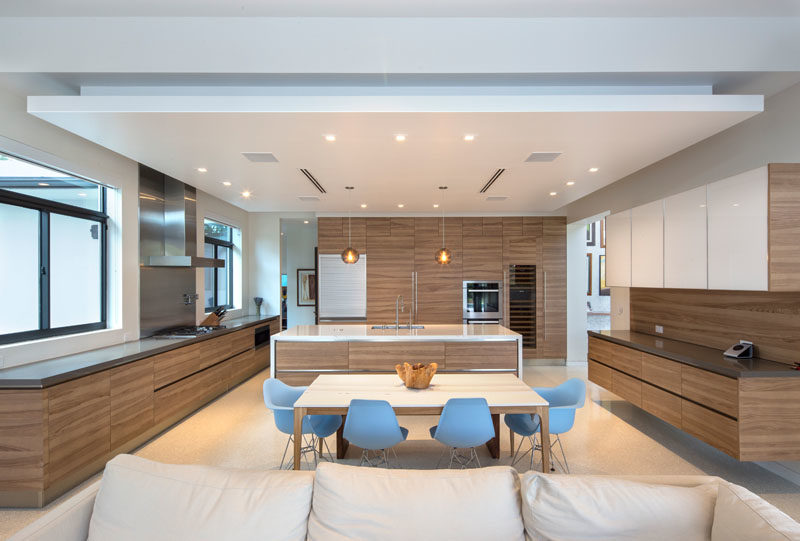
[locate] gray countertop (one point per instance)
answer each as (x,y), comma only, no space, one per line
(699,356)
(51,372)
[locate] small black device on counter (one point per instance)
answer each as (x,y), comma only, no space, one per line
(742,350)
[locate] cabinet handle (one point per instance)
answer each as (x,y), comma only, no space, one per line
(545,305)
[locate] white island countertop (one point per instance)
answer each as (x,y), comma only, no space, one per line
(349,333)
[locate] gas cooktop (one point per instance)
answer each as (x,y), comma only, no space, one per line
(186,332)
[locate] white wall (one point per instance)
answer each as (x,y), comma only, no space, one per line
(300,240)
(265,261)
(577,343)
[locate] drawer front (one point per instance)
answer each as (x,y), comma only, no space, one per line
(627,387)
(601,375)
(661,372)
(711,390)
(664,405)
(242,340)
(310,355)
(131,401)
(174,365)
(243,366)
(483,355)
(189,394)
(600,350)
(711,427)
(215,350)
(383,356)
(626,360)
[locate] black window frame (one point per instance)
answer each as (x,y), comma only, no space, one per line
(217,243)
(45,208)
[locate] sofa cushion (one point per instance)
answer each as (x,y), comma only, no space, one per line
(578,507)
(740,514)
(365,503)
(140,499)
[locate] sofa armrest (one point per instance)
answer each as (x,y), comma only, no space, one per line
(68,521)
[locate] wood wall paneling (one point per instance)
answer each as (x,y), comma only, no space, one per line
(131,406)
(383,356)
(311,355)
(784,227)
(718,319)
(711,427)
(23,425)
(769,418)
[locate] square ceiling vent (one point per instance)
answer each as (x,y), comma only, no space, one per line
(542,157)
(260,157)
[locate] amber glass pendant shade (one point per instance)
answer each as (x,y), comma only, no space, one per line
(350,255)
(443,256)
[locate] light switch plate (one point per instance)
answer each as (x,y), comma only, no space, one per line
(660,329)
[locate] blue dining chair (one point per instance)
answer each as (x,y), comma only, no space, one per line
(464,423)
(372,425)
(564,400)
(280,398)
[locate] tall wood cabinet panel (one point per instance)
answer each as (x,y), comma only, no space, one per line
(131,404)
(784,227)
(618,249)
(391,264)
(439,287)
(686,240)
(554,288)
(483,258)
(23,453)
(332,235)
(647,245)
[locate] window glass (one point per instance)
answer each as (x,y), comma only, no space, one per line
(19,269)
(224,276)
(75,271)
(209,278)
(215,230)
(219,281)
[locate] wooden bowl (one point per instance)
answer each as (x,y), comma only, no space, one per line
(417,376)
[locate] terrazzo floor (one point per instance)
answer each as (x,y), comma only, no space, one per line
(609,437)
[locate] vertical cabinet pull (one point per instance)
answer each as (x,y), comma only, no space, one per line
(545,305)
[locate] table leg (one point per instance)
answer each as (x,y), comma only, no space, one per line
(494,444)
(341,443)
(511,439)
(544,414)
(299,413)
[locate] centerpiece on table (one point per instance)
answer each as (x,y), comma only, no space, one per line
(416,376)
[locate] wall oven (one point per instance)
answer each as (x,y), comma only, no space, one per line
(482,301)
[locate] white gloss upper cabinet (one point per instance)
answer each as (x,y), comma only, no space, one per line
(738,232)
(618,249)
(686,240)
(647,245)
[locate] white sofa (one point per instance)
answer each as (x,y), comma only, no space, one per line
(140,499)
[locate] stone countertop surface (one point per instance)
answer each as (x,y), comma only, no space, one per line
(348,333)
(42,374)
(698,356)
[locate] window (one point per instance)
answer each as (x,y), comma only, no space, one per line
(219,281)
(53,241)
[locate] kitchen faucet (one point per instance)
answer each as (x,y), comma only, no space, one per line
(399,306)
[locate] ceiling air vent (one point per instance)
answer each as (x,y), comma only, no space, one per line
(308,198)
(260,157)
(542,157)
(496,197)
(313,181)
(492,180)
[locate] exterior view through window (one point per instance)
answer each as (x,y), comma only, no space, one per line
(219,281)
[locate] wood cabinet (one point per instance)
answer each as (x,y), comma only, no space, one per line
(711,427)
(383,356)
(390,269)
(553,307)
(717,392)
(132,396)
(439,287)
(662,404)
(312,355)
(618,249)
(686,240)
(483,258)
(332,235)
(479,355)
(647,245)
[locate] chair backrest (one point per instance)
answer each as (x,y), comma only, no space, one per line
(280,398)
(465,422)
(571,393)
(372,424)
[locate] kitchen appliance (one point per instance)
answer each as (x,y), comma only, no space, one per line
(189,331)
(261,337)
(522,302)
(482,322)
(482,300)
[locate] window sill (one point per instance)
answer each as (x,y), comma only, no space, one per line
(42,349)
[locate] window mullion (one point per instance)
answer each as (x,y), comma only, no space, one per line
(44,270)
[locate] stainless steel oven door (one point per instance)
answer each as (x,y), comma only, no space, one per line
(482,300)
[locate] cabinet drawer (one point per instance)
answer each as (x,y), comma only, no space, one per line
(174,365)
(470,355)
(661,372)
(178,399)
(601,374)
(626,360)
(131,401)
(627,387)
(384,355)
(714,391)
(600,350)
(662,404)
(242,340)
(243,366)
(214,350)
(711,427)
(310,355)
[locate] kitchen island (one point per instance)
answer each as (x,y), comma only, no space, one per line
(302,353)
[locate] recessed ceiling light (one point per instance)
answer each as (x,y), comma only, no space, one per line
(553,193)
(226,183)
(281,233)
(736,204)
(400,205)
(469,137)
(399,137)
(703,206)
(570,183)
(202,170)
(43,184)
(436,205)
(363,205)
(246,194)
(305,221)
(593,169)
(330,138)
(81,194)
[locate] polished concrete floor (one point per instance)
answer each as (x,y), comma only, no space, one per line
(610,437)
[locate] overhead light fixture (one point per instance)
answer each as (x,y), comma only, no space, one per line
(350,254)
(44,184)
(570,183)
(436,205)
(246,194)
(593,169)
(363,205)
(202,170)
(553,193)
(399,137)
(81,194)
(469,137)
(400,205)
(443,255)
(305,221)
(226,183)
(330,138)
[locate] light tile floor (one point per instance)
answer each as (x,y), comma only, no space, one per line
(610,437)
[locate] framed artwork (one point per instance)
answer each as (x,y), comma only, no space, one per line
(589,274)
(604,290)
(590,238)
(306,287)
(603,233)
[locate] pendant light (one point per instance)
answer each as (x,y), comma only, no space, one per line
(443,256)
(350,254)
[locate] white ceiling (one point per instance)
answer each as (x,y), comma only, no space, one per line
(385,172)
(404,8)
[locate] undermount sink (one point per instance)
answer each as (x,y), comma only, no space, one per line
(405,327)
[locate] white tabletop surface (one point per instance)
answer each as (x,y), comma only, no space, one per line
(366,332)
(337,390)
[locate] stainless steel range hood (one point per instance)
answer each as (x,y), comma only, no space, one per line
(168,222)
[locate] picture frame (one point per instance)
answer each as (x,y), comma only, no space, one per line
(591,240)
(306,287)
(589,273)
(603,289)
(603,233)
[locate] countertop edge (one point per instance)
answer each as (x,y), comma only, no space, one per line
(427,338)
(44,383)
(696,362)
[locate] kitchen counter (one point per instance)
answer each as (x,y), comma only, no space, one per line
(51,372)
(435,333)
(698,356)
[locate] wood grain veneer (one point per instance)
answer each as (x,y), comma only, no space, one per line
(512,225)
(711,427)
(244,365)
(769,418)
(483,258)
(554,284)
(439,287)
(717,392)
(382,356)
(718,319)
(391,263)
(174,365)
(600,350)
(332,235)
(241,340)
(311,355)
(131,404)
(492,226)
(480,355)
(23,424)
(626,359)
(627,387)
(661,372)
(186,395)
(784,227)
(662,404)
(601,374)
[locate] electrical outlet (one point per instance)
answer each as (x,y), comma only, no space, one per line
(660,329)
